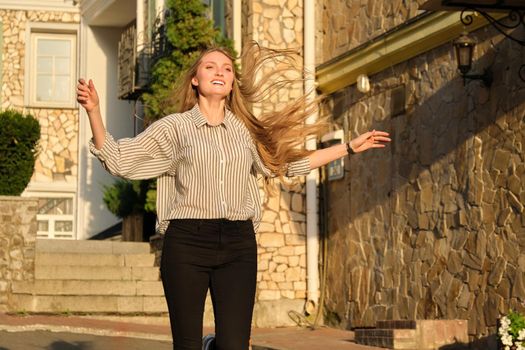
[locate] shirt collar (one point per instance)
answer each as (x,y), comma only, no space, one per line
(199,119)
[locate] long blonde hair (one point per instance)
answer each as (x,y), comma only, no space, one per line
(279,135)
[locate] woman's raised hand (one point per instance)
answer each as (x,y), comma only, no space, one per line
(370,139)
(87,95)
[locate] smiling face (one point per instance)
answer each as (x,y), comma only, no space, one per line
(214,76)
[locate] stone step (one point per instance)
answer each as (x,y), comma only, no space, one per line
(132,273)
(88,304)
(414,334)
(92,247)
(387,337)
(107,259)
(101,287)
(396,324)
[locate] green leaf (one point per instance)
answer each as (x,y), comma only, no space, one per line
(19,137)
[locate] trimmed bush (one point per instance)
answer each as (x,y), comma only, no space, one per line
(19,136)
(125,198)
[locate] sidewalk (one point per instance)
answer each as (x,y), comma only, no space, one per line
(153,336)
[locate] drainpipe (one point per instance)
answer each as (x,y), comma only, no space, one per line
(312,234)
(237,26)
(140,27)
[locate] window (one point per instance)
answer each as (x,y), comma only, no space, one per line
(217,13)
(53,70)
(55,217)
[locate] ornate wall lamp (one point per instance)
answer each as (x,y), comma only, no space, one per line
(515,10)
(464,51)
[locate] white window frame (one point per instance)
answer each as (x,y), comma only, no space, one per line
(49,30)
(41,5)
(51,234)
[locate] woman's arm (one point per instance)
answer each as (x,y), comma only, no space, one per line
(371,139)
(87,97)
(144,156)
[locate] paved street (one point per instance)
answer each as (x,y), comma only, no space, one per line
(54,332)
(45,340)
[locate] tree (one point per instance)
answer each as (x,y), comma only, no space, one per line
(188,31)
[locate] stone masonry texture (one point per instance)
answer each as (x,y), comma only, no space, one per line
(281,277)
(58,156)
(346,24)
(17,243)
(432,227)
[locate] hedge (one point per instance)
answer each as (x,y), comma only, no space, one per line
(125,197)
(19,136)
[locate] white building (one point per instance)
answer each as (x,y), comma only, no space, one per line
(47,45)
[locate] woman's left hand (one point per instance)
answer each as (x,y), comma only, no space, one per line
(370,139)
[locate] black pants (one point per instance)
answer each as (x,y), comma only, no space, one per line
(210,253)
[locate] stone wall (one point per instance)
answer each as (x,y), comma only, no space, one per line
(347,24)
(282,246)
(58,157)
(17,243)
(432,227)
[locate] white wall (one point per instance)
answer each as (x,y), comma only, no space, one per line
(98,49)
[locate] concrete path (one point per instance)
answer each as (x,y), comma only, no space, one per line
(79,333)
(45,340)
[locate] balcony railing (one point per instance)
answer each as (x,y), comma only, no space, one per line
(135,62)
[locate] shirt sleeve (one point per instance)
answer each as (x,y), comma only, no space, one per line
(297,168)
(145,156)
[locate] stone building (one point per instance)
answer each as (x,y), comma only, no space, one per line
(39,77)
(46,46)
(431,227)
(39,63)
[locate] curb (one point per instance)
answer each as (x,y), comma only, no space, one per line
(84,330)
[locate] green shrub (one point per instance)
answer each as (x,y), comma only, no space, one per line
(124,197)
(19,136)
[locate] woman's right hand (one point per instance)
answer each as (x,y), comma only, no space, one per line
(87,95)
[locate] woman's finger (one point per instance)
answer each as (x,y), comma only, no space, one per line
(381,133)
(82,88)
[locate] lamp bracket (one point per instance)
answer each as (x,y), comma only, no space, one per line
(486,77)
(515,19)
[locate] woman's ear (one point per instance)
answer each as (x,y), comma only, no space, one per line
(194,81)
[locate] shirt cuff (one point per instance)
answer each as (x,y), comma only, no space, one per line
(256,225)
(299,167)
(109,147)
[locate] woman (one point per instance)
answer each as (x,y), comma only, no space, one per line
(207,158)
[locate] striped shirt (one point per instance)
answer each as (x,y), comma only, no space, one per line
(204,171)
